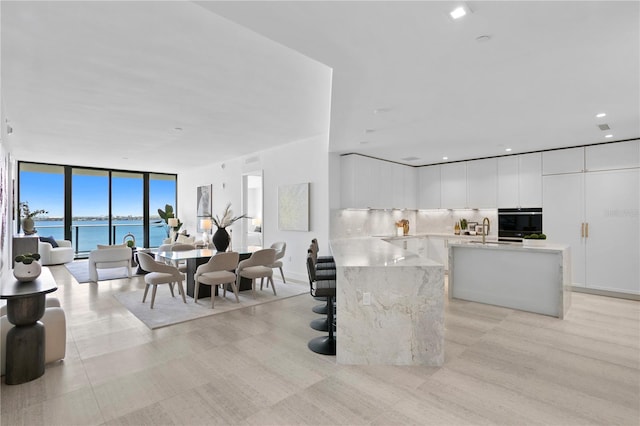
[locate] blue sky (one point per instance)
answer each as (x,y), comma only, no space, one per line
(90,194)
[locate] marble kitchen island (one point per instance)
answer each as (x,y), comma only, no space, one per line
(533,279)
(389,304)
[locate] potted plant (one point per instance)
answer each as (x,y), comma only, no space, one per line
(534,240)
(27,267)
(221,237)
(28,226)
(463,226)
(167,214)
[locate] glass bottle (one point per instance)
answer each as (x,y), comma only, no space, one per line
(456,229)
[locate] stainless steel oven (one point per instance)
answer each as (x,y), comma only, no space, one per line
(515,223)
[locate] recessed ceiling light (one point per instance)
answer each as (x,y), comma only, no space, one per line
(369,130)
(364,142)
(602,114)
(445,158)
(177,129)
(608,136)
(508,149)
(410,159)
(381,110)
(458,12)
(483,38)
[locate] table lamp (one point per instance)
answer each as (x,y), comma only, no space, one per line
(206,226)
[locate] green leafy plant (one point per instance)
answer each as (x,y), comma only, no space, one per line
(463,224)
(227,218)
(535,237)
(27,258)
(25,212)
(167,214)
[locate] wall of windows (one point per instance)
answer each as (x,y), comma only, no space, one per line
(91,206)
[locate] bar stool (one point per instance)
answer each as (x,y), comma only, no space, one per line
(325,345)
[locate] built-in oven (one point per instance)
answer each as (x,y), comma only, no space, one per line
(513,224)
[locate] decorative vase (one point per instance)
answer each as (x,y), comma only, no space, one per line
(221,239)
(25,273)
(28,226)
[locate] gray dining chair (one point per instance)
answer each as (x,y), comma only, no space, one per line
(280,248)
(258,266)
(159,274)
(218,271)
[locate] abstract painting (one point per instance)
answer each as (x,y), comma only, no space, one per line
(293,207)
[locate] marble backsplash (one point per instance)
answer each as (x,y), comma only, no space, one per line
(347,223)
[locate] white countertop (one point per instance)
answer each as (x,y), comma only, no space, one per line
(373,251)
(547,247)
(438,235)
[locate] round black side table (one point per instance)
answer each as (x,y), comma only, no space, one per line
(25,340)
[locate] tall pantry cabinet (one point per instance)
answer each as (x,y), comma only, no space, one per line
(591,201)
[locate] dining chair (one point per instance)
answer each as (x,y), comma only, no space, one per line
(257,266)
(159,274)
(280,248)
(218,271)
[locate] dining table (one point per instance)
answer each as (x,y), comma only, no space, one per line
(200,256)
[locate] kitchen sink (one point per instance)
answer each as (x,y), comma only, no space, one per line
(494,242)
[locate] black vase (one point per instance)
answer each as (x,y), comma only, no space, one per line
(221,239)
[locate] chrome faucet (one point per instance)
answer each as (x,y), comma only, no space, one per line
(485,229)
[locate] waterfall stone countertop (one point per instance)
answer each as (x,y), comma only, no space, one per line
(529,278)
(390,304)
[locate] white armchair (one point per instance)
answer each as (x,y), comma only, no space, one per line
(50,255)
(55,332)
(109,257)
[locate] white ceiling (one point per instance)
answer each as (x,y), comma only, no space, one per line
(93,82)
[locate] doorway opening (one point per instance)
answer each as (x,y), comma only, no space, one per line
(252,186)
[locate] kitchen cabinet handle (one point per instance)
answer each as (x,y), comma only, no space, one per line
(582,230)
(586,230)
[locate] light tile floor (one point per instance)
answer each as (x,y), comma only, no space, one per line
(252,366)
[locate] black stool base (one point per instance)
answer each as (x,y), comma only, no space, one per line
(320,309)
(320,324)
(323,345)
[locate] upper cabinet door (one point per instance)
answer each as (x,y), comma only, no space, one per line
(530,180)
(482,183)
(429,187)
(563,161)
(611,156)
(453,185)
(508,182)
(410,184)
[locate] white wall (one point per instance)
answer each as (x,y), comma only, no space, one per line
(296,162)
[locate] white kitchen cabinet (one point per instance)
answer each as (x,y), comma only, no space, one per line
(612,206)
(530,180)
(569,160)
(520,181)
(563,217)
(508,182)
(453,185)
(370,183)
(482,183)
(618,155)
(410,185)
(596,213)
(356,186)
(429,187)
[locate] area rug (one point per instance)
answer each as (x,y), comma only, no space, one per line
(169,310)
(80,271)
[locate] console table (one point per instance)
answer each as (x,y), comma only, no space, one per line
(25,341)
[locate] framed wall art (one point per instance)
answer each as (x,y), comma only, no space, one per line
(293,207)
(203,198)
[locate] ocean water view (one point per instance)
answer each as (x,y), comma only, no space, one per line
(87,234)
